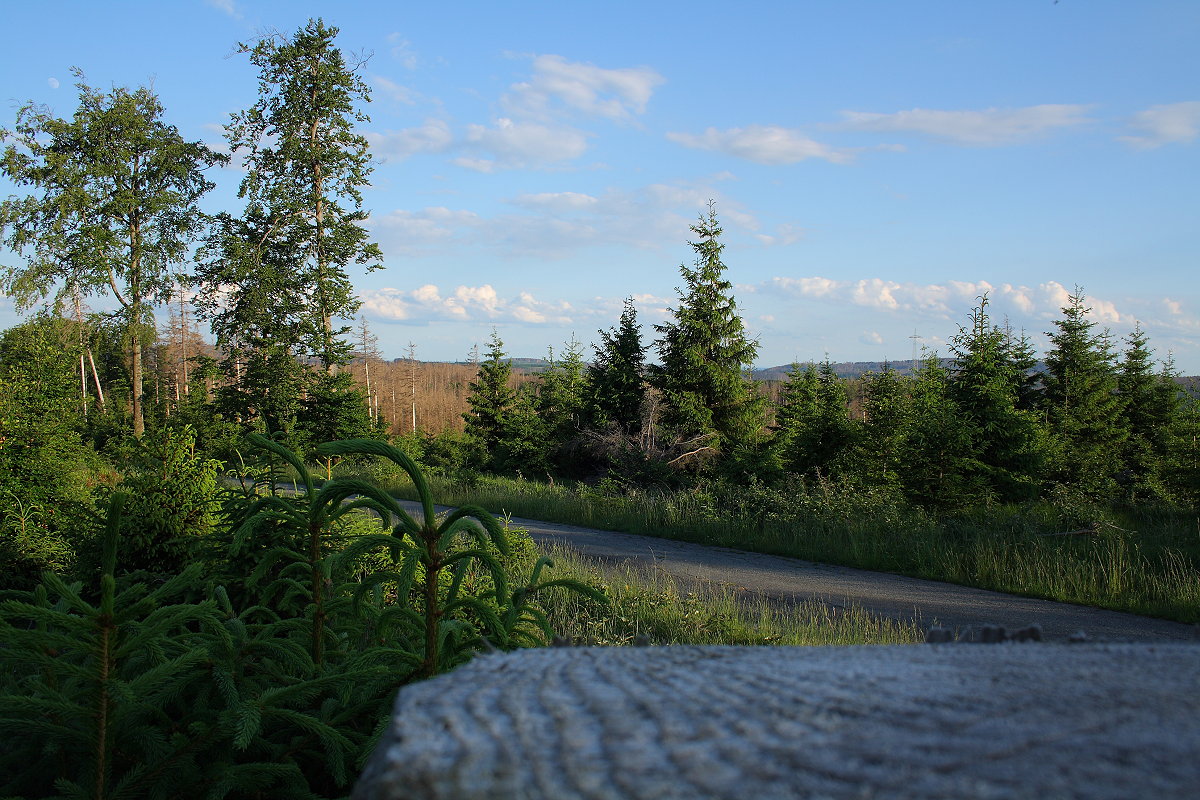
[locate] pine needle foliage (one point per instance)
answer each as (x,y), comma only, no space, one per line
(128,690)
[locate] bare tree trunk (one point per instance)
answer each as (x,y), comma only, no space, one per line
(96,378)
(412,375)
(83,399)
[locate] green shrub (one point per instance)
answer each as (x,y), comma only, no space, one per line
(173,503)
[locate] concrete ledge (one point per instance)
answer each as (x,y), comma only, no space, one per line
(1013,720)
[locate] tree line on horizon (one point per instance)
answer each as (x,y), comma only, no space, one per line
(113,209)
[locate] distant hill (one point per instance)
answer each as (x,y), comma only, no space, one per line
(845,369)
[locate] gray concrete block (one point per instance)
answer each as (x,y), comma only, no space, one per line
(1011,720)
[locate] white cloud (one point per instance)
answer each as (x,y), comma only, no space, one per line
(412,231)
(401,50)
(876,293)
(787,233)
(871,337)
(555,225)
(1174,307)
(948,301)
(397,92)
(763,144)
(465,304)
(613,93)
(510,145)
(993,126)
(551,201)
(53,82)
(1175,123)
(227,6)
(433,136)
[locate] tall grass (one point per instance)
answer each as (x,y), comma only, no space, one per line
(649,605)
(1145,561)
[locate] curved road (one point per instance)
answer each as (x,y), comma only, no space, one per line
(780,579)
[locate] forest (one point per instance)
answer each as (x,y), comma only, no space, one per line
(170,616)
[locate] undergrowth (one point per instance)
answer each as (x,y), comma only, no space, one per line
(266,667)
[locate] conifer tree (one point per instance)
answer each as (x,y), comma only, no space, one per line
(939,469)
(1149,403)
(1082,403)
(883,440)
(490,403)
(526,444)
(814,434)
(616,385)
(560,403)
(986,386)
(705,352)
(256,309)
(306,169)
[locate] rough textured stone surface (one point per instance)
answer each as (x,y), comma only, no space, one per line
(1013,720)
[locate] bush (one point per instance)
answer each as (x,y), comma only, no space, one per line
(173,503)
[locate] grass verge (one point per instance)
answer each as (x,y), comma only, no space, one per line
(1144,561)
(651,604)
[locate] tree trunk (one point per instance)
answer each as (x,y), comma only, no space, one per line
(139,422)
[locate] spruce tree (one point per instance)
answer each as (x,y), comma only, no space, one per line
(883,441)
(490,403)
(616,384)
(939,470)
(705,352)
(561,403)
(1082,403)
(1149,404)
(987,383)
(814,435)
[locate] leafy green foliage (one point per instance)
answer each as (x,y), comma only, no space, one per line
(306,166)
(118,204)
(46,470)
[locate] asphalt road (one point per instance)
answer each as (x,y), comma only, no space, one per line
(783,580)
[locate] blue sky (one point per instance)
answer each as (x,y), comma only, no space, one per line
(876,165)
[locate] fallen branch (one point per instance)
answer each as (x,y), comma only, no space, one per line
(691,453)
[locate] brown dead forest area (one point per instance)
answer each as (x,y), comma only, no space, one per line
(428,396)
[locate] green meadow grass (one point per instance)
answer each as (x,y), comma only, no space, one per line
(1144,561)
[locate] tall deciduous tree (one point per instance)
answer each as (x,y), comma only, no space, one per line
(306,167)
(705,352)
(116,205)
